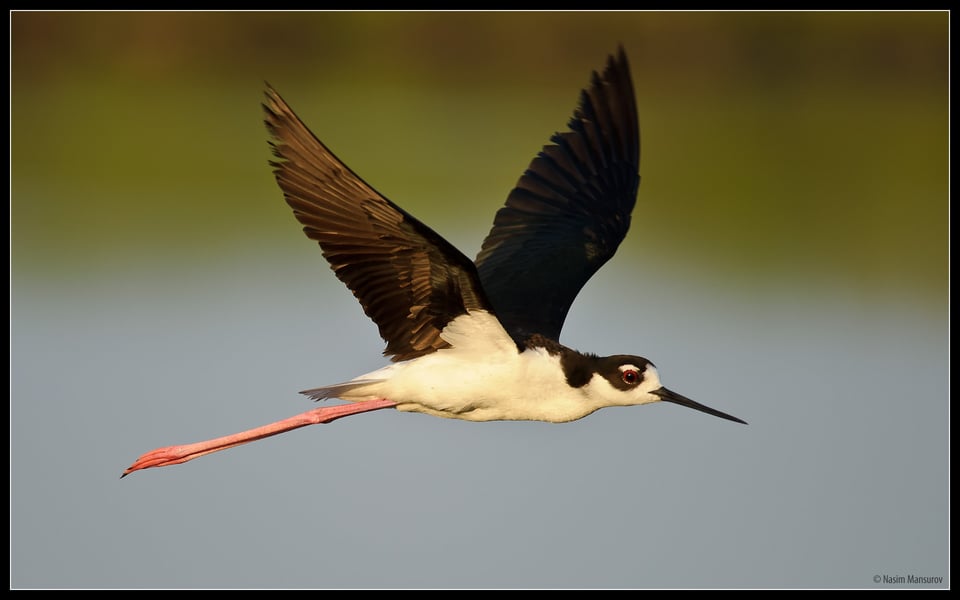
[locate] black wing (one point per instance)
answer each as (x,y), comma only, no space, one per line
(569,211)
(409,280)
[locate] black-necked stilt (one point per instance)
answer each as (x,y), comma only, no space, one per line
(474,340)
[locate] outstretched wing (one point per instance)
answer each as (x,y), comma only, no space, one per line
(409,280)
(569,211)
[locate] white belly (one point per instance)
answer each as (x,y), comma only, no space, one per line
(480,378)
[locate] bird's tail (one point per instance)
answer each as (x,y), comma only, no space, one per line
(342,390)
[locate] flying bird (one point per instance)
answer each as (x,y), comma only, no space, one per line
(473,340)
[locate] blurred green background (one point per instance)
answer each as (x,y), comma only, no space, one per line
(776,145)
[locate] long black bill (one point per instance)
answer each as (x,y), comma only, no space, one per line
(668,396)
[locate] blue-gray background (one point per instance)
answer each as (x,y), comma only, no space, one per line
(787,264)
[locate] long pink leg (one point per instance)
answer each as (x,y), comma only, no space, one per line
(174,455)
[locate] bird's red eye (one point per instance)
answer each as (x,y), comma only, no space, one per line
(630,376)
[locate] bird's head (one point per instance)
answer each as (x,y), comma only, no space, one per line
(624,380)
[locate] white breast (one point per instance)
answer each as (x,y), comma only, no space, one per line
(481,377)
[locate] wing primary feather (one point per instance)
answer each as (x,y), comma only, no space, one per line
(569,211)
(409,280)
